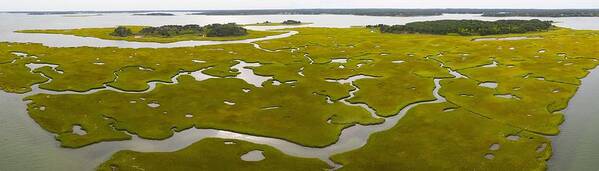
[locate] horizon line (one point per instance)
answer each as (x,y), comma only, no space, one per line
(257,9)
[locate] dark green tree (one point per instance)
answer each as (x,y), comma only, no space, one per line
(213,30)
(291,22)
(467,27)
(121,31)
(222,30)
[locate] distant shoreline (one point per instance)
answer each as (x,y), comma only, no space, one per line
(154,14)
(360,11)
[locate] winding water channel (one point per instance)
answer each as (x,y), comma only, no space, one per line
(350,138)
(26,146)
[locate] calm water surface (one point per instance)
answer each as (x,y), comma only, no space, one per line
(577,146)
(26,146)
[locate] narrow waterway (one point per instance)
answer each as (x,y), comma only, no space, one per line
(576,148)
(91,156)
(39,151)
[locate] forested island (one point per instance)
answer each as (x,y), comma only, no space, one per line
(155,14)
(466,27)
(164,34)
(292,22)
(284,23)
(543,13)
(212,30)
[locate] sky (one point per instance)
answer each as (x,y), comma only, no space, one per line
(105,5)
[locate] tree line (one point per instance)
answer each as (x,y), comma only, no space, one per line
(414,12)
(291,22)
(155,14)
(212,30)
(544,13)
(467,27)
(367,12)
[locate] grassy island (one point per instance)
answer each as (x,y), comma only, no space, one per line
(494,116)
(211,154)
(106,33)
